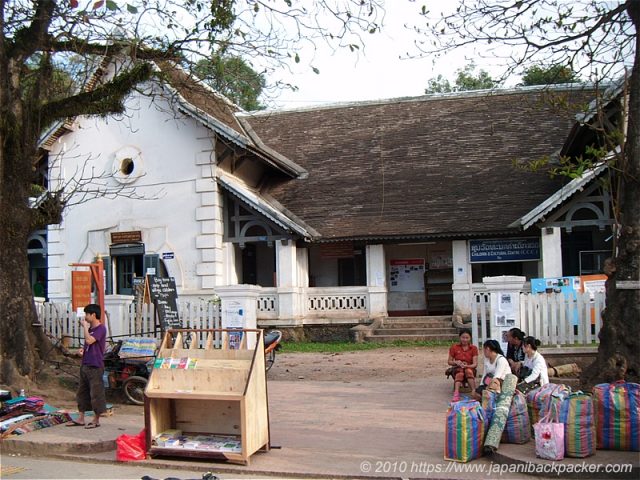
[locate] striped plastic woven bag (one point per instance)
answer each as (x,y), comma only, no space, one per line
(549,396)
(517,429)
(464,432)
(617,407)
(578,416)
(489,399)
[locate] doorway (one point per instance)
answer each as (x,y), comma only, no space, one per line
(249,264)
(127,268)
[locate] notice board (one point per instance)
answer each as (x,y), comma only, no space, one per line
(406,275)
(80,288)
(164,296)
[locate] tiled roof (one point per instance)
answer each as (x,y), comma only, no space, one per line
(214,110)
(420,167)
(202,96)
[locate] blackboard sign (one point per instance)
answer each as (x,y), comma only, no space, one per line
(165,298)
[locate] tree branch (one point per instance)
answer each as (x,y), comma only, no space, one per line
(606,18)
(31,39)
(135,50)
(103,100)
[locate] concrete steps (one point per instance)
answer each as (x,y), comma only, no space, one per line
(418,322)
(414,329)
(410,338)
(418,331)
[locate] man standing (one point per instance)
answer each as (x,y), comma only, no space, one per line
(90,394)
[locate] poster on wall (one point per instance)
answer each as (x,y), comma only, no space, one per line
(506,302)
(503,320)
(593,284)
(502,338)
(406,275)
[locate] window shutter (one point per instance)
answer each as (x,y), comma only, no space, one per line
(151,261)
(108,275)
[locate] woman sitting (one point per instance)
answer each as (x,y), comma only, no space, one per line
(463,358)
(534,371)
(515,349)
(496,368)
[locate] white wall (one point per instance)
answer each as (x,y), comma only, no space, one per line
(181,209)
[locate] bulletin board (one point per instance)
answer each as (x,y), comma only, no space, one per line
(406,275)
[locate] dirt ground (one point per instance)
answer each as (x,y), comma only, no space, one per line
(397,364)
(400,364)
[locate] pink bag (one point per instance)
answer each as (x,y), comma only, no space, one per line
(549,439)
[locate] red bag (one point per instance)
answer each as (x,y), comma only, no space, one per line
(131,447)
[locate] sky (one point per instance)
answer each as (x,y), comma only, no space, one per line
(381,70)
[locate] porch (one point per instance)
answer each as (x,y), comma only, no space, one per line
(321,305)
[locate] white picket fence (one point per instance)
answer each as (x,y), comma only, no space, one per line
(562,319)
(554,319)
(59,320)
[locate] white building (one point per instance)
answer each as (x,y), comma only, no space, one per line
(341,213)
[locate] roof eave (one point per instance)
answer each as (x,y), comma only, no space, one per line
(560,196)
(261,205)
(420,237)
(280,160)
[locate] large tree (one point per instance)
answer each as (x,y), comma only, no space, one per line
(38,36)
(549,75)
(600,40)
(233,77)
(466,79)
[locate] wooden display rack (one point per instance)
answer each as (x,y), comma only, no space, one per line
(225,394)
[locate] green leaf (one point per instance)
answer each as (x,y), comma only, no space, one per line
(111,5)
(315,70)
(132,8)
(296,58)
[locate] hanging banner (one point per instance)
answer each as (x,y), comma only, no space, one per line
(80,288)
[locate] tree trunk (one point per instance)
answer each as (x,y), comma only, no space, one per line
(620,335)
(21,344)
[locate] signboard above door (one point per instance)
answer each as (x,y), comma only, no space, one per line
(504,250)
(133,236)
(336,250)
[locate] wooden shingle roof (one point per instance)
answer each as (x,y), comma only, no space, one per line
(421,167)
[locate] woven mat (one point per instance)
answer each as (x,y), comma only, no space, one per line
(9,470)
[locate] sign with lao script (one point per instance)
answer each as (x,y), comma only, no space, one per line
(80,288)
(134,236)
(504,250)
(165,298)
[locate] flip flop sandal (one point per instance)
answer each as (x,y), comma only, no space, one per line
(73,423)
(91,425)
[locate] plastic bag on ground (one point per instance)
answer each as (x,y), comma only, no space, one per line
(130,448)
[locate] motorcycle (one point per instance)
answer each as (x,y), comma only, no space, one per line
(127,374)
(271,346)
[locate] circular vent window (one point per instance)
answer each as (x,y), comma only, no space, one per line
(127,165)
